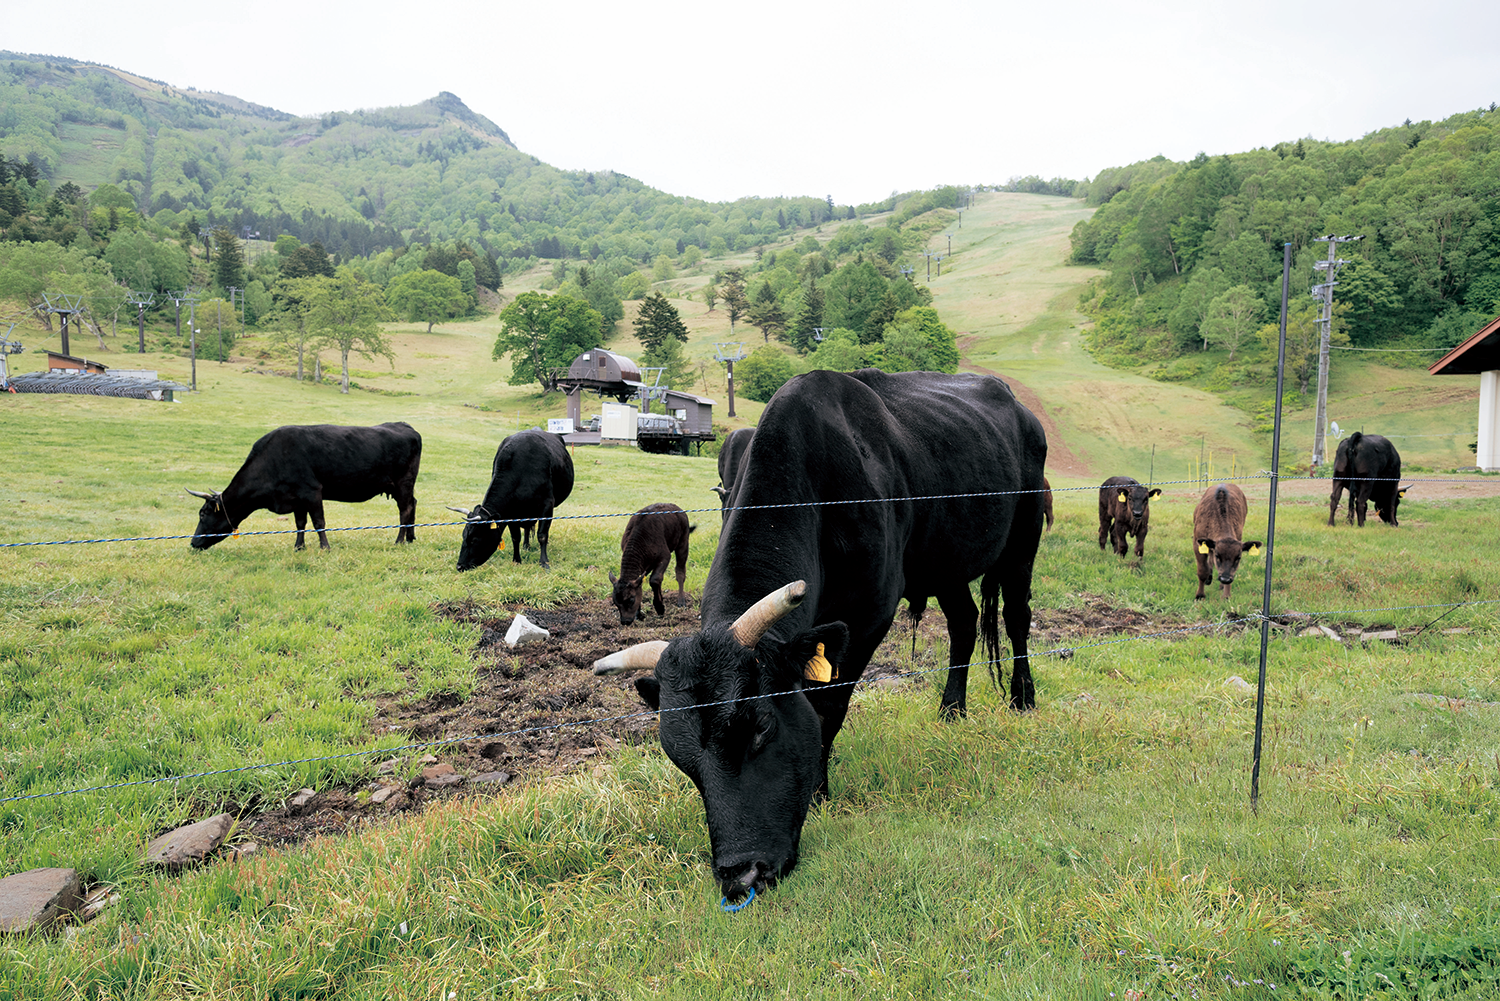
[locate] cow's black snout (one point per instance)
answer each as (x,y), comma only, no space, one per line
(738,885)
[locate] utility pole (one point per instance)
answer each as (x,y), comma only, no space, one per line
(235,290)
(140,300)
(1324,293)
(63,305)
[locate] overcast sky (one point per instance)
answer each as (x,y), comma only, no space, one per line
(855,100)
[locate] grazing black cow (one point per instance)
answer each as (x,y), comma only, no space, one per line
(651,536)
(802,595)
(294,469)
(731,457)
(1125,509)
(532,474)
(1370,467)
(1218,523)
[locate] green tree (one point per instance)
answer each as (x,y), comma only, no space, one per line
(850,295)
(657,321)
(344,313)
(766,370)
(426,296)
(668,356)
(732,291)
(229,260)
(288,317)
(1302,338)
(468,282)
(840,351)
(307,262)
(1186,320)
(545,332)
(662,269)
(918,341)
(767,314)
(1232,316)
(711,294)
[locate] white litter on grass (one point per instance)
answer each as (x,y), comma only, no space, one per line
(523,631)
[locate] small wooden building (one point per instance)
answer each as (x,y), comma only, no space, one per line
(696,413)
(67,363)
(1480,355)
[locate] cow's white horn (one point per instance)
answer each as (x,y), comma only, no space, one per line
(199,493)
(631,658)
(459,510)
(761,616)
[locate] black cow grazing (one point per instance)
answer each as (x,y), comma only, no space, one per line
(1047,501)
(731,457)
(294,469)
(1370,467)
(532,474)
(1218,523)
(798,596)
(1125,509)
(651,536)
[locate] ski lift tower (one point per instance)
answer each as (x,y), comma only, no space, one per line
(141,301)
(63,305)
(1324,294)
(727,355)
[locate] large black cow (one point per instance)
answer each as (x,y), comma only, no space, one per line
(294,469)
(532,474)
(731,457)
(798,595)
(1370,467)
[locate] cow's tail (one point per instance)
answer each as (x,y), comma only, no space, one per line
(989,621)
(1354,439)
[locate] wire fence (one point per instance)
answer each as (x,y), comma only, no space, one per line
(1281,618)
(236,533)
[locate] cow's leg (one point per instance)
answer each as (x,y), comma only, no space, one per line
(1364,503)
(657,576)
(1015,592)
(1333,502)
(317,519)
(301,519)
(515,542)
(406,515)
(1140,542)
(1205,570)
(682,576)
(1104,526)
(963,629)
(1122,546)
(543,530)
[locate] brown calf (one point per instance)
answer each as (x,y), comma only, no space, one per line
(1218,523)
(651,536)
(1125,508)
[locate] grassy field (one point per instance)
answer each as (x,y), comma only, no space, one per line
(1099,846)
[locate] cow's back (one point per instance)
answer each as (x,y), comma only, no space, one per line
(349,464)
(1220,513)
(532,472)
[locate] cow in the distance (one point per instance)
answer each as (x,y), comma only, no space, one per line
(801,595)
(652,535)
(294,469)
(731,456)
(1370,467)
(1125,509)
(531,475)
(1218,523)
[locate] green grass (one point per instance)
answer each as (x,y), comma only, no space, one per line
(1101,844)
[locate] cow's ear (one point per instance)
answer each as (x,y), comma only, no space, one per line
(649,689)
(612,578)
(1123,499)
(1205,546)
(834,638)
(1155,492)
(1251,547)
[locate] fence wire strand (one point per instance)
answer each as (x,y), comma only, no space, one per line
(1067,650)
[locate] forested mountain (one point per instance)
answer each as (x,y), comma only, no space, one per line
(356,182)
(1194,249)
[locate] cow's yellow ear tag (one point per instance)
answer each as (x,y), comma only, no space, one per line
(1203,548)
(818,669)
(494,525)
(1122,497)
(1401,493)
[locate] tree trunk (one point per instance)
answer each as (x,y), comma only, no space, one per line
(344,388)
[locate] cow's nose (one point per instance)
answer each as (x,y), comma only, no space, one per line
(751,878)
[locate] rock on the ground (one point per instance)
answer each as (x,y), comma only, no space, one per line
(491,778)
(1239,685)
(1388,635)
(301,800)
(31,901)
(523,631)
(192,843)
(440,776)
